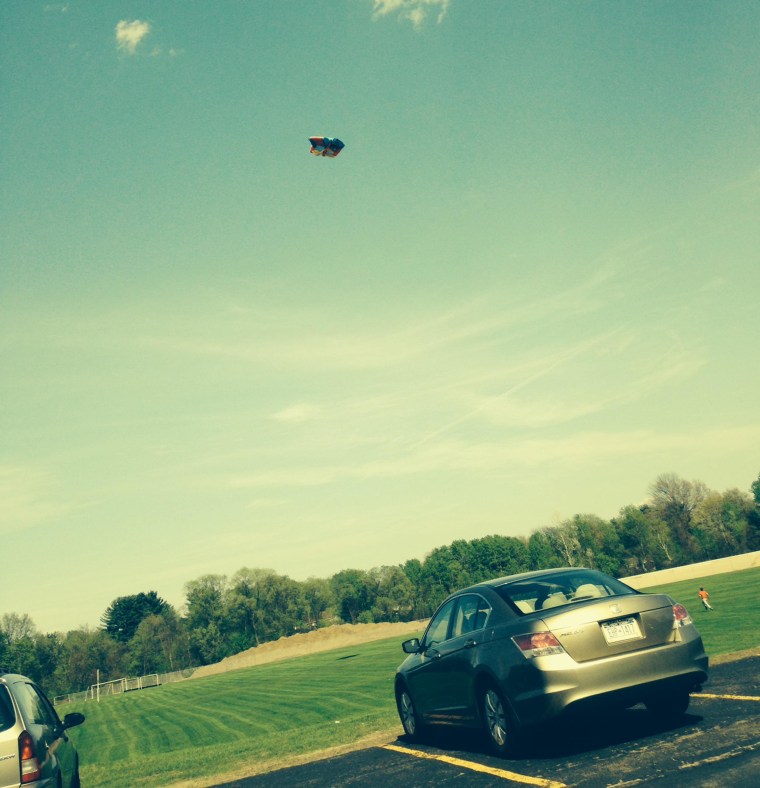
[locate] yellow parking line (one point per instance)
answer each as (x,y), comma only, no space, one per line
(477,767)
(724,697)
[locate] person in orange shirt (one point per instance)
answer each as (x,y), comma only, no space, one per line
(705,597)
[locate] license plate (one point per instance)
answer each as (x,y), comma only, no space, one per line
(621,630)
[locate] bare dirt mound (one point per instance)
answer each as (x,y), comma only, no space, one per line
(311,642)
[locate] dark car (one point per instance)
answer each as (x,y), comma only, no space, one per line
(35,750)
(517,652)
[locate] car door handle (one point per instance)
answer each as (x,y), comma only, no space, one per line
(471,643)
(433,653)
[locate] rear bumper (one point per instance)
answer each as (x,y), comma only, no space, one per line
(556,686)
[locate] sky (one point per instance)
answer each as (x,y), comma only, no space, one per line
(526,288)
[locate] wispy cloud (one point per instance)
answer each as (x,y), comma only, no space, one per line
(587,448)
(306,338)
(299,413)
(545,366)
(414,11)
(130,34)
(27,498)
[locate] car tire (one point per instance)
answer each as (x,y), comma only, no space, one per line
(407,712)
(669,706)
(500,731)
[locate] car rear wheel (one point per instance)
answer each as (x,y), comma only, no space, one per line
(669,706)
(500,732)
(408,714)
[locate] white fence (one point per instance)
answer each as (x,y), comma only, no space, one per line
(119,686)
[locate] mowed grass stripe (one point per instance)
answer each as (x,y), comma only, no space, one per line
(165,730)
(120,744)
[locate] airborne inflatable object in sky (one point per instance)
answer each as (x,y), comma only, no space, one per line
(326,146)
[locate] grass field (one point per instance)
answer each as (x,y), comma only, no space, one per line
(735,623)
(215,725)
(248,720)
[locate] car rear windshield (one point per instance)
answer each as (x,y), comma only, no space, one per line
(7,714)
(562,588)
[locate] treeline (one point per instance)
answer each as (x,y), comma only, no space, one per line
(683,522)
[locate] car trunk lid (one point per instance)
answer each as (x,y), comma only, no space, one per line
(614,625)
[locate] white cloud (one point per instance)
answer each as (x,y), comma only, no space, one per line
(415,11)
(130,34)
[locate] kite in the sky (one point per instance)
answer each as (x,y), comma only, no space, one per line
(326,146)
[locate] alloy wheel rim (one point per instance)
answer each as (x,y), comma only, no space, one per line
(495,718)
(407,713)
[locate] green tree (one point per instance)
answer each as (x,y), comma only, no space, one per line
(84,653)
(753,529)
(145,655)
(285,604)
(160,645)
(124,614)
(355,593)
(542,553)
(636,530)
(565,542)
(414,572)
(18,644)
(320,598)
(720,523)
(674,501)
(205,601)
(207,645)
(48,654)
(600,546)
(15,626)
(443,573)
(23,657)
(260,605)
(753,518)
(243,608)
(394,598)
(495,556)
(205,620)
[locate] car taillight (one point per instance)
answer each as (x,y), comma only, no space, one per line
(538,644)
(30,766)
(681,616)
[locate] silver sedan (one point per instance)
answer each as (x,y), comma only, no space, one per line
(517,652)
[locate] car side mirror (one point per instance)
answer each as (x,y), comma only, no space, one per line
(72,720)
(411,646)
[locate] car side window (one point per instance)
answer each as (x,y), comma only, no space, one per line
(34,707)
(48,707)
(471,615)
(7,712)
(438,630)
